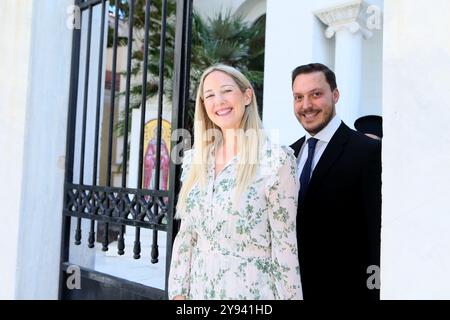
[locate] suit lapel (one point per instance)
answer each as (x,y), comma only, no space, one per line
(330,155)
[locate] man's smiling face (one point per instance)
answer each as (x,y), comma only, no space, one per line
(314,101)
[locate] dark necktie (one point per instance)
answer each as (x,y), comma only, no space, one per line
(306,171)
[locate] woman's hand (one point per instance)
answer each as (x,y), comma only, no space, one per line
(179,298)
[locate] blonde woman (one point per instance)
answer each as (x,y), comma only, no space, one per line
(238,202)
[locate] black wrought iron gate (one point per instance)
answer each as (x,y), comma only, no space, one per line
(99,204)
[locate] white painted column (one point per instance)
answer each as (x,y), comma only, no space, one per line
(34,90)
(348,67)
(15,32)
(289,44)
(346,22)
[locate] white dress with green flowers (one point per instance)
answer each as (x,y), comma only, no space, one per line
(249,251)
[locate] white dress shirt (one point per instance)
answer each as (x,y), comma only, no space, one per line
(324,136)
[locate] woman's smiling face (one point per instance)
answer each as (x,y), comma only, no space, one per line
(224,101)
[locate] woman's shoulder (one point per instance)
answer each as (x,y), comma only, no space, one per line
(273,152)
(276,160)
(275,155)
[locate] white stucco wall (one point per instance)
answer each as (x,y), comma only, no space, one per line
(251,10)
(288,44)
(415,260)
(210,8)
(41,201)
(295,37)
(372,67)
(15,31)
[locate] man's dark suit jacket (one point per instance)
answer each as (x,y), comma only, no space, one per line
(339,222)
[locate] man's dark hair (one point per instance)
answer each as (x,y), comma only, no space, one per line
(315,67)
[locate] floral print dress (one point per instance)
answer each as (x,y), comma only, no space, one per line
(246,250)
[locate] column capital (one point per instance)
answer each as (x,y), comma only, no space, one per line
(349,15)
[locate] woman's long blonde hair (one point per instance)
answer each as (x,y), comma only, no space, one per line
(248,142)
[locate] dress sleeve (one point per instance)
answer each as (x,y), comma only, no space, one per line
(187,163)
(180,266)
(282,195)
(185,240)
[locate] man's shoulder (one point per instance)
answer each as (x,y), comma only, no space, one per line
(362,148)
(297,145)
(362,141)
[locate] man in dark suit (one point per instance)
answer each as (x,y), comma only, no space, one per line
(339,212)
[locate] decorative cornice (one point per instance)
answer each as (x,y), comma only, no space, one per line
(350,15)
